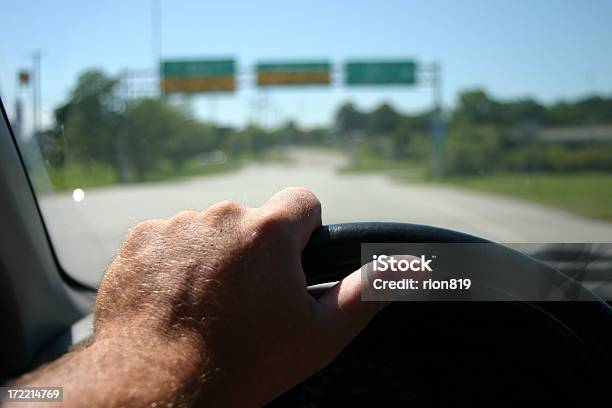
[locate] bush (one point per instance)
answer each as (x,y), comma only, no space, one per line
(472,149)
(556,157)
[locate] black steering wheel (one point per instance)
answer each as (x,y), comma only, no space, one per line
(334,251)
(582,330)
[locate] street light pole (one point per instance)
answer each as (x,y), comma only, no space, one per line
(36,92)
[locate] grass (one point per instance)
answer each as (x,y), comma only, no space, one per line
(74,176)
(588,194)
(70,177)
(585,193)
(194,168)
(412,170)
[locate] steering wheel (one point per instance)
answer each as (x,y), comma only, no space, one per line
(334,251)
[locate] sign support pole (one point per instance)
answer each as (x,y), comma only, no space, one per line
(437,125)
(156,36)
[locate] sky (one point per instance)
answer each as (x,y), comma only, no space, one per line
(548,50)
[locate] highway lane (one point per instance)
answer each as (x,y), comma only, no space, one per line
(86,234)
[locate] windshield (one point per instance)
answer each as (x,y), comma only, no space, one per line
(489,118)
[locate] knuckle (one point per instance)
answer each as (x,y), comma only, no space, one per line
(305,197)
(271,223)
(146,227)
(184,216)
(299,189)
(274,227)
(143,232)
(226,207)
(298,202)
(303,192)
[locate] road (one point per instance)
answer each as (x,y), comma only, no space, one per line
(86,234)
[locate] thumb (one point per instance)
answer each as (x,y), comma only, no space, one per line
(342,314)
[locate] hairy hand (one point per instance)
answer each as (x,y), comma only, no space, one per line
(224,293)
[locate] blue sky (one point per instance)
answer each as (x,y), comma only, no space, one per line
(549,50)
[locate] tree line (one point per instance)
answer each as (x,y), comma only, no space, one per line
(484,134)
(143,138)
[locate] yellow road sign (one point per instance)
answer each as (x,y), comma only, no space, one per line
(199,84)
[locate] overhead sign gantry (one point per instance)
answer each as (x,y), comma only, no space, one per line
(293,73)
(193,76)
(219,75)
(380,73)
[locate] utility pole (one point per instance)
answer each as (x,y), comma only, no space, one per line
(437,125)
(36,92)
(18,119)
(24,78)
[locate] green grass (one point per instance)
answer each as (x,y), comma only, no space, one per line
(70,177)
(192,169)
(589,194)
(272,155)
(394,168)
(74,176)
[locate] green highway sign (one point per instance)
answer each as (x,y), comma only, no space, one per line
(219,75)
(293,73)
(198,68)
(380,73)
(191,76)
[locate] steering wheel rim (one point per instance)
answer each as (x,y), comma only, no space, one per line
(334,251)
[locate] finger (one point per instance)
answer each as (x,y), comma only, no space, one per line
(298,206)
(342,314)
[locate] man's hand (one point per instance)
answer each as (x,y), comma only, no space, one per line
(211,307)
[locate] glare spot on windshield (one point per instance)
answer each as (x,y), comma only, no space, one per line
(78,195)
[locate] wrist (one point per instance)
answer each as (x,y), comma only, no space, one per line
(150,367)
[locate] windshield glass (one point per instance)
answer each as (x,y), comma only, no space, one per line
(490,118)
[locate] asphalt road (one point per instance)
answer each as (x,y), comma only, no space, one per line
(86,234)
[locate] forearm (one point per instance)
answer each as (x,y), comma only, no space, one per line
(210,307)
(106,373)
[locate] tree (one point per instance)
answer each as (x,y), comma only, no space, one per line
(473,149)
(148,128)
(383,120)
(476,107)
(522,113)
(160,134)
(88,122)
(251,139)
(589,111)
(348,118)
